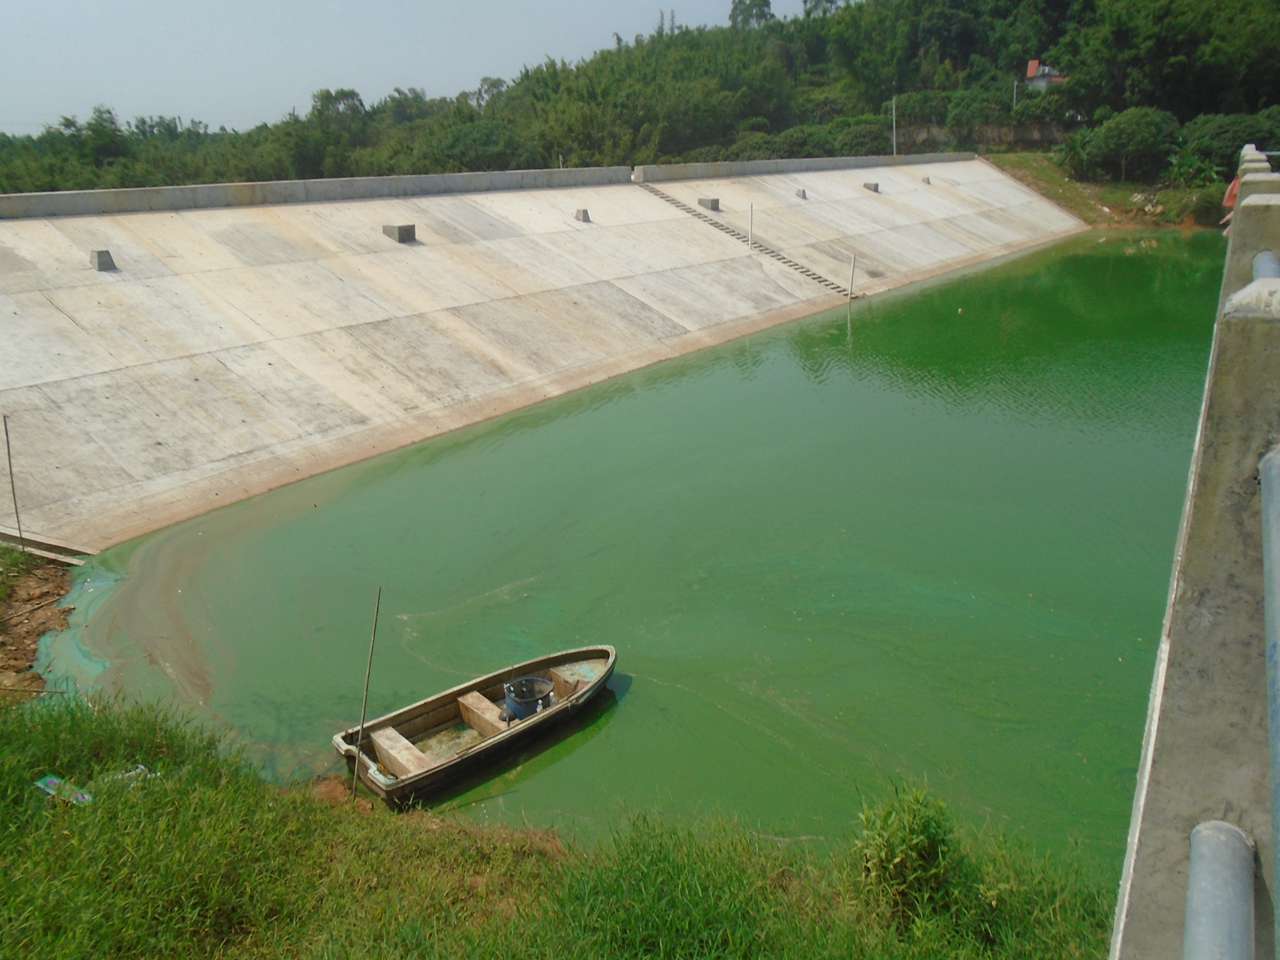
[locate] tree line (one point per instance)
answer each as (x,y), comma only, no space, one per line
(817,84)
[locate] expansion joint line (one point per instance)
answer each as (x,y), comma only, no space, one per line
(741,237)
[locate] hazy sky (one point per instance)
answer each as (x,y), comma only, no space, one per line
(238,63)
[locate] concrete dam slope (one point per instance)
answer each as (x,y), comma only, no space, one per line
(220,350)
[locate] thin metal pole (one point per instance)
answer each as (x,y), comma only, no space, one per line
(751,226)
(895,125)
(13,489)
(853,266)
(1015,94)
(364,706)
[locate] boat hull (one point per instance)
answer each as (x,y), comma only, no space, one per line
(449,771)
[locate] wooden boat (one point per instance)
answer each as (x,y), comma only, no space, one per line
(430,744)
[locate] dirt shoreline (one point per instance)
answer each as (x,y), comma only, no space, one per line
(30,611)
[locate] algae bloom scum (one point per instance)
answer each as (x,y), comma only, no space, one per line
(932,543)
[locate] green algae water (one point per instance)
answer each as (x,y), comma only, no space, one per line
(932,542)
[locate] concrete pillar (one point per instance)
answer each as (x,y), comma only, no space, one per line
(873,187)
(401,232)
(711,203)
(1254,228)
(1253,166)
(1255,183)
(101,260)
(582,215)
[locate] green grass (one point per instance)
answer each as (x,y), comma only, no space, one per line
(206,860)
(13,564)
(1101,204)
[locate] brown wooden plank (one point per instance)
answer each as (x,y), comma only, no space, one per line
(481,714)
(400,757)
(565,686)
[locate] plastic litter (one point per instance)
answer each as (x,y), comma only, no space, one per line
(60,789)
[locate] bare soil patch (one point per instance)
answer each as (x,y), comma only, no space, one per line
(29,612)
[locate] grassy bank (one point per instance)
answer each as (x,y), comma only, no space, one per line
(1114,204)
(204,859)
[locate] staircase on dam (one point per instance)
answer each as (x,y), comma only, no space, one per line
(750,241)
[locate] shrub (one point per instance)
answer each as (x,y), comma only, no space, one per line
(712,154)
(1133,145)
(1216,138)
(826,103)
(868,136)
(1189,169)
(484,145)
(977,107)
(806,141)
(920,107)
(1047,107)
(907,856)
(752,146)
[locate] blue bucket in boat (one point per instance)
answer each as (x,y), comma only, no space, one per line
(527,695)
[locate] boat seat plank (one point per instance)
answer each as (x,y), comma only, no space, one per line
(565,685)
(400,757)
(481,714)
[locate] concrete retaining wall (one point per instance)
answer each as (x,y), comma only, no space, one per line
(1205,749)
(79,203)
(655,173)
(233,350)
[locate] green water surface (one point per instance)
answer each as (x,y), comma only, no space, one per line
(934,543)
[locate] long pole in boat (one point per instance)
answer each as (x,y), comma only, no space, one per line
(13,488)
(364,706)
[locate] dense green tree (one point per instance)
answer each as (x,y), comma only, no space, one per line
(749,13)
(764,87)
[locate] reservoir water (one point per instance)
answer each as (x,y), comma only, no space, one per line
(930,543)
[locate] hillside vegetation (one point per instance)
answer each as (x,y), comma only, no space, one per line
(763,87)
(202,859)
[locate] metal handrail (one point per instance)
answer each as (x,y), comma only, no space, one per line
(1269,478)
(1219,920)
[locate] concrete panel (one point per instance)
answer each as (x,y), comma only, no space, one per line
(240,348)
